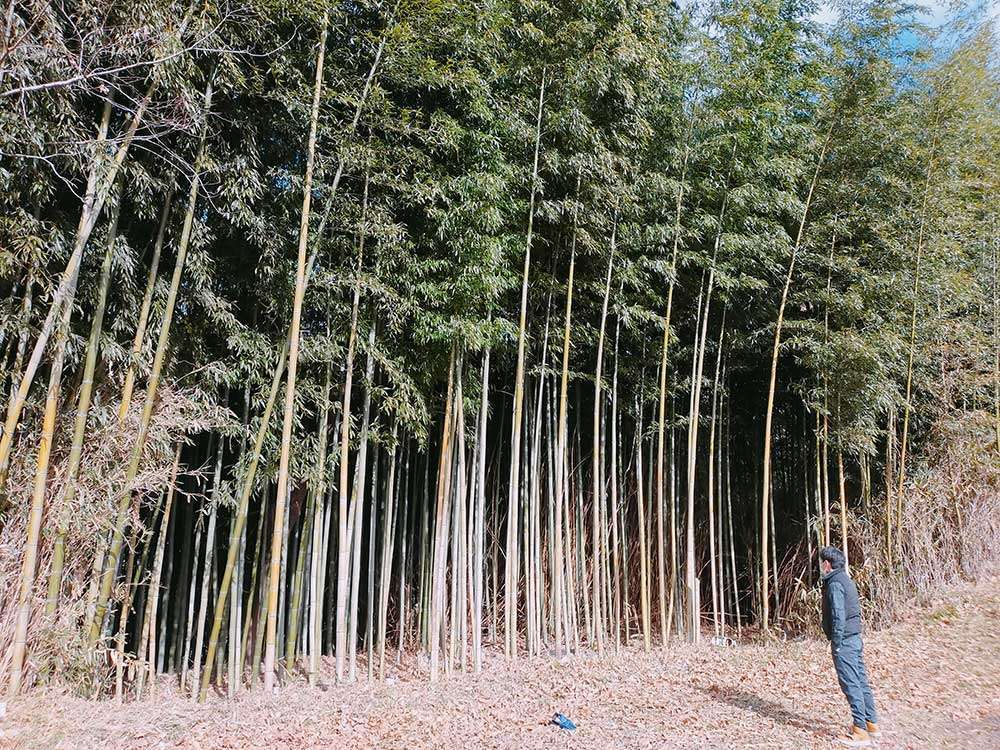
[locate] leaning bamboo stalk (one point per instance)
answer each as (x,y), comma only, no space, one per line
(80,424)
(111,565)
(772,385)
(99,184)
(145,307)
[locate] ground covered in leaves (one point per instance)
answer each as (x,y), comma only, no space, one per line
(936,677)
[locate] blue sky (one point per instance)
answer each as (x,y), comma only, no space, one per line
(934,12)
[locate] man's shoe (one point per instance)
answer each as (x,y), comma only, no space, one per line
(873,730)
(855,737)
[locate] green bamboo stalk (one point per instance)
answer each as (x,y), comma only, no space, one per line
(111,565)
(293,363)
(80,425)
(147,304)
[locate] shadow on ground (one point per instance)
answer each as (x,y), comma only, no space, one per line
(760,706)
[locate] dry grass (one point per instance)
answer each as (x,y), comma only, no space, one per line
(58,642)
(936,677)
(949,536)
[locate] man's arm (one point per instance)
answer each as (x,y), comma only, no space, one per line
(837,615)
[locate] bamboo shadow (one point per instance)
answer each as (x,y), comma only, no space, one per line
(760,706)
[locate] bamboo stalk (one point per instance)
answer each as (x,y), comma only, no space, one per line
(598,495)
(80,424)
(145,307)
(111,565)
(660,562)
(36,508)
(441,528)
(153,592)
(99,184)
(772,384)
(512,566)
(293,362)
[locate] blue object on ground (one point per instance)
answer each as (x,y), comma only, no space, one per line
(562,722)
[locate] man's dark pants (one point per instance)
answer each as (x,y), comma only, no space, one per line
(848,660)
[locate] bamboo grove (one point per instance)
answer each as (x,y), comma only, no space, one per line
(335,333)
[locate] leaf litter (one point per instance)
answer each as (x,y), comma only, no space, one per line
(936,677)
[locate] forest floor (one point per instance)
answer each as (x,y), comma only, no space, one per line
(936,678)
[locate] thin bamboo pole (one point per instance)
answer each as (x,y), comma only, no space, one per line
(145,307)
(772,385)
(512,566)
(597,498)
(441,528)
(293,363)
(30,558)
(80,424)
(153,591)
(660,444)
(111,565)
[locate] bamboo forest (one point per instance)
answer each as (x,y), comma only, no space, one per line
(340,335)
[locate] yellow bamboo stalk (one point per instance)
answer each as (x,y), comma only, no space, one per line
(30,558)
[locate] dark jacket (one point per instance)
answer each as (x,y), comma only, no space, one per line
(841,606)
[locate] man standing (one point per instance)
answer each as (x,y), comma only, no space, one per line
(842,625)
